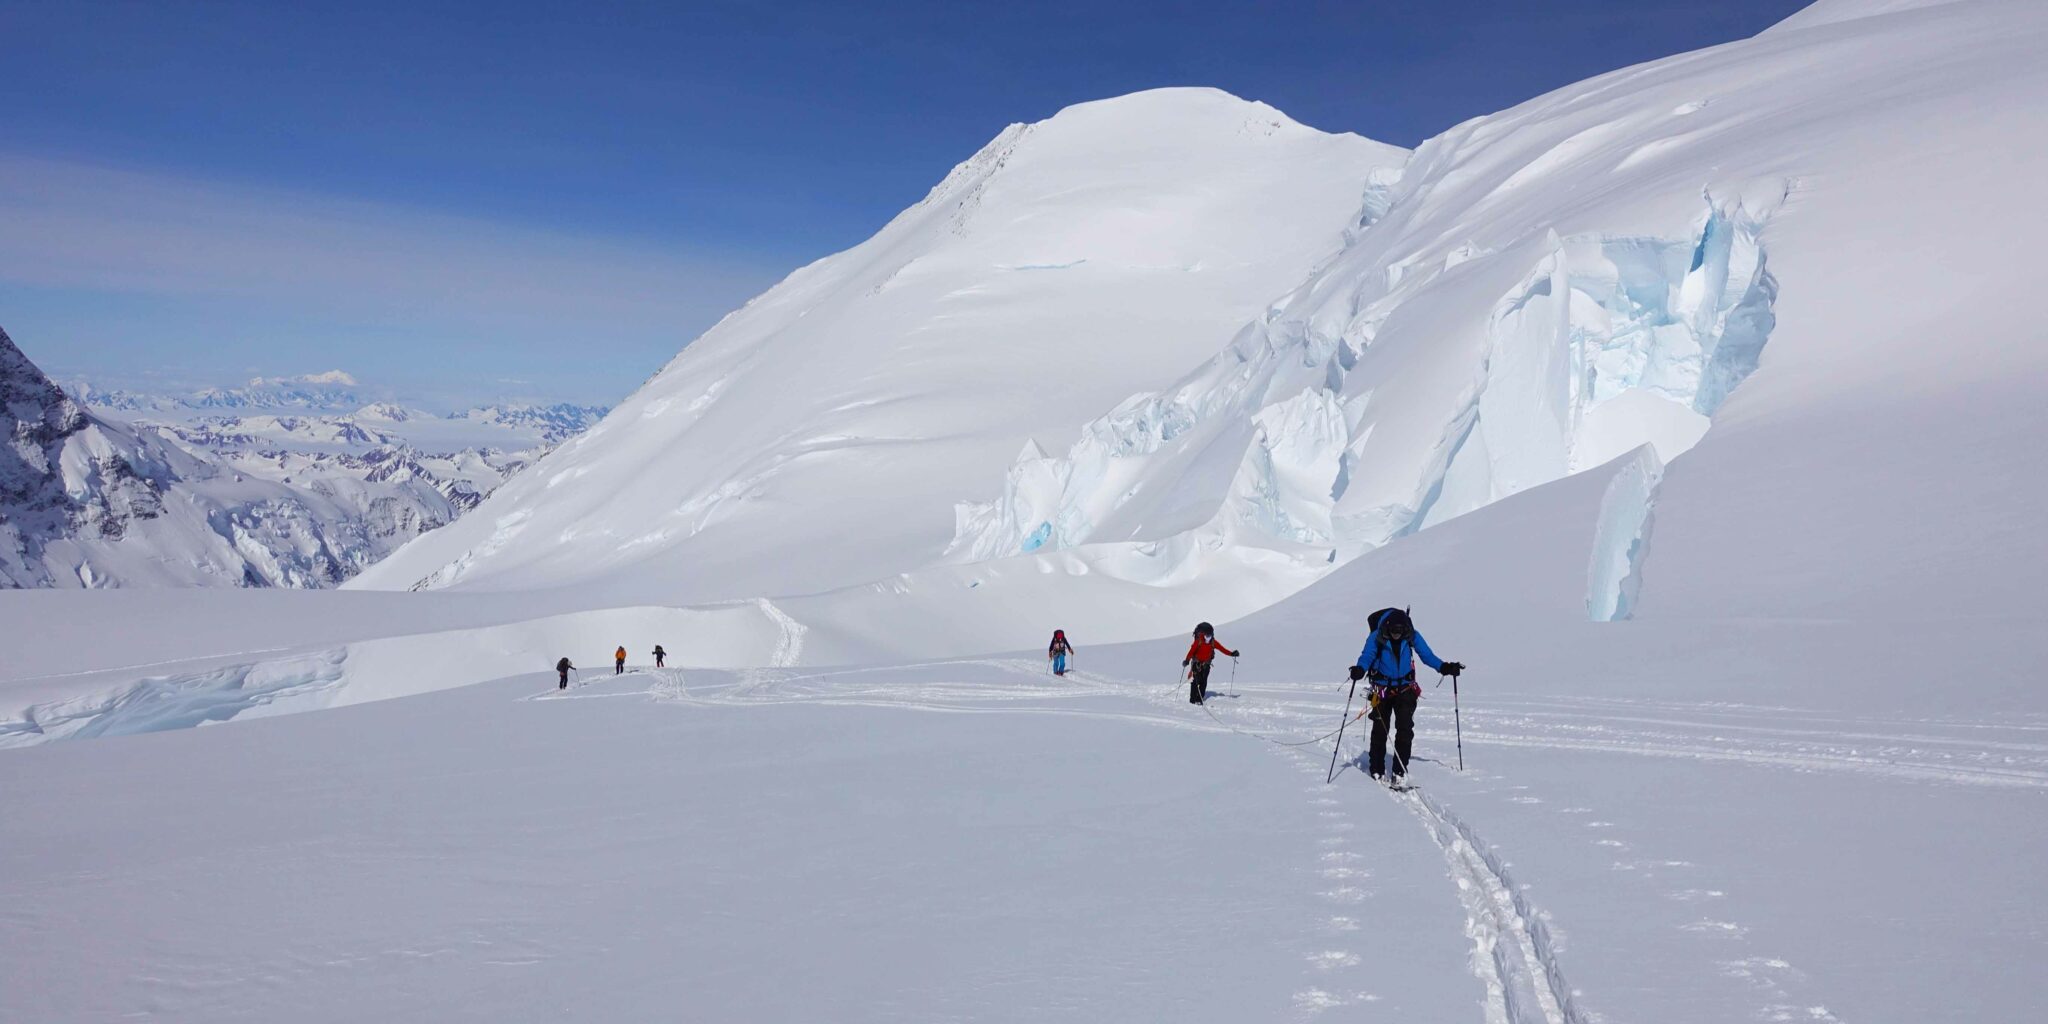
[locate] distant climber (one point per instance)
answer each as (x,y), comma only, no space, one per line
(1058,652)
(1388,660)
(619,661)
(1200,654)
(660,657)
(562,668)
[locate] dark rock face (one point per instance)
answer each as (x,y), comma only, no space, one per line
(106,491)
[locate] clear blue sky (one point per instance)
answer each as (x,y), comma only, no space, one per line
(463,200)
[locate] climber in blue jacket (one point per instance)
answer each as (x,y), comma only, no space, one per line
(1388,660)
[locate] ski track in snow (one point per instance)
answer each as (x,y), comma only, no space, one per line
(1513,953)
(1512,950)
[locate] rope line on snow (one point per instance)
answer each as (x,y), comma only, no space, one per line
(1270,738)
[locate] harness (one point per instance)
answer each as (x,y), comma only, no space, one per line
(1383,686)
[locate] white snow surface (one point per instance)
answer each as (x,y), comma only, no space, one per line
(1690,406)
(820,436)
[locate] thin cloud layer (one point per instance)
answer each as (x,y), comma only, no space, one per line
(86,228)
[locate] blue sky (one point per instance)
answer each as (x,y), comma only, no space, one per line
(468,201)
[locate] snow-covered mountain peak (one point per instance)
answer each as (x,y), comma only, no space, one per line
(331,391)
(1159,121)
(1140,164)
(390,412)
(1058,270)
(338,378)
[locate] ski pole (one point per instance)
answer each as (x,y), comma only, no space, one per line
(1458,723)
(1341,723)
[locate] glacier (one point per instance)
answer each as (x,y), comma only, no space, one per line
(1666,400)
(1608,343)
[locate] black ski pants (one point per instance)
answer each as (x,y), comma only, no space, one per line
(1397,708)
(565,680)
(1198,682)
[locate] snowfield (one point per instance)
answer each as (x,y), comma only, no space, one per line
(1696,407)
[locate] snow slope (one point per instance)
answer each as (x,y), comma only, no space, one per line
(1694,407)
(1053,273)
(1368,402)
(1605,267)
(664,846)
(975,839)
(1532,294)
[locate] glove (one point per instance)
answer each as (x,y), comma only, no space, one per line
(1357,673)
(1184,663)
(1451,668)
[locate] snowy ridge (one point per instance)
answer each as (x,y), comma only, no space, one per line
(1057,269)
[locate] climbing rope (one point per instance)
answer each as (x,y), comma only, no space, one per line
(1269,738)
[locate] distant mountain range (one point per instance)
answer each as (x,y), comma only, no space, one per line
(282,482)
(333,396)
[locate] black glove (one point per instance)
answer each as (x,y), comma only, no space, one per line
(1184,663)
(1357,673)
(1451,668)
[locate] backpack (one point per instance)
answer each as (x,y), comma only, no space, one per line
(1385,615)
(562,665)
